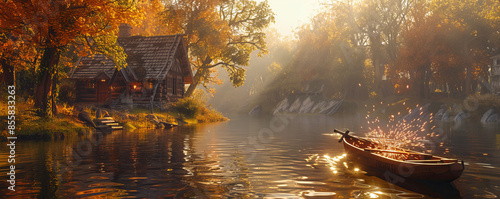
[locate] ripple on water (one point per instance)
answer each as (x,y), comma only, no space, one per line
(311,183)
(105,184)
(361,185)
(281,196)
(99,178)
(389,191)
(409,195)
(175,165)
(318,194)
(486,195)
(138,178)
(101,193)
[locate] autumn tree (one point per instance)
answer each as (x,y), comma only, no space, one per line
(51,25)
(327,56)
(151,23)
(15,54)
(423,47)
(220,33)
(376,25)
(446,45)
(478,23)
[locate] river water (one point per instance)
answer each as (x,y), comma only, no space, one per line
(246,157)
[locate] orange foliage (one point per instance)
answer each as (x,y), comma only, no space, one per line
(53,23)
(49,26)
(151,24)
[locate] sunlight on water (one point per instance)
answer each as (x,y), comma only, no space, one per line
(303,161)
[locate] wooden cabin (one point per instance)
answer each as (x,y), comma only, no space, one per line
(158,69)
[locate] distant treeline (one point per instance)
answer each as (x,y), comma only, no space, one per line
(376,48)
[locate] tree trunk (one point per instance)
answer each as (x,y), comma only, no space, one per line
(8,75)
(468,68)
(42,91)
(376,59)
(420,82)
(192,86)
(468,79)
(427,79)
(55,82)
(197,77)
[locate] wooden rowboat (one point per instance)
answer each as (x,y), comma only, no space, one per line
(405,163)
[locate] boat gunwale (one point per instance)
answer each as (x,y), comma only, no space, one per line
(400,161)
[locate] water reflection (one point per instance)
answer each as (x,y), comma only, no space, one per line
(296,157)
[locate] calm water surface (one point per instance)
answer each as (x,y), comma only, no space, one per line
(247,157)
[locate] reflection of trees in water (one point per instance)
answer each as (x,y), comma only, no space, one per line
(36,169)
(46,176)
(192,162)
(213,177)
(144,164)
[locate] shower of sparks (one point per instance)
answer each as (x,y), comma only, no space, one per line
(398,134)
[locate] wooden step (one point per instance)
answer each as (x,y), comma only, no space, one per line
(106,118)
(102,127)
(112,124)
(116,127)
(107,121)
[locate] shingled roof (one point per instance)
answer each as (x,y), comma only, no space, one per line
(154,55)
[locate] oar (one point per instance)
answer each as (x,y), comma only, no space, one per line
(342,133)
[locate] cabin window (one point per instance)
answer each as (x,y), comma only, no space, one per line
(150,85)
(135,87)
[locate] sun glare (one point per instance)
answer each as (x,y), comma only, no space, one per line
(289,14)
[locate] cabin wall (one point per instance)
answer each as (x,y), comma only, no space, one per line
(141,92)
(174,86)
(170,89)
(86,91)
(118,88)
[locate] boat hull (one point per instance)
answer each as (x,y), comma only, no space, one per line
(444,172)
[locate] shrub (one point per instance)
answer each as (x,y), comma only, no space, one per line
(209,115)
(195,108)
(66,91)
(187,108)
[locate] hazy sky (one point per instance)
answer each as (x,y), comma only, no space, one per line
(292,13)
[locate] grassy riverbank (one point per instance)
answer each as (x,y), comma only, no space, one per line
(30,126)
(66,122)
